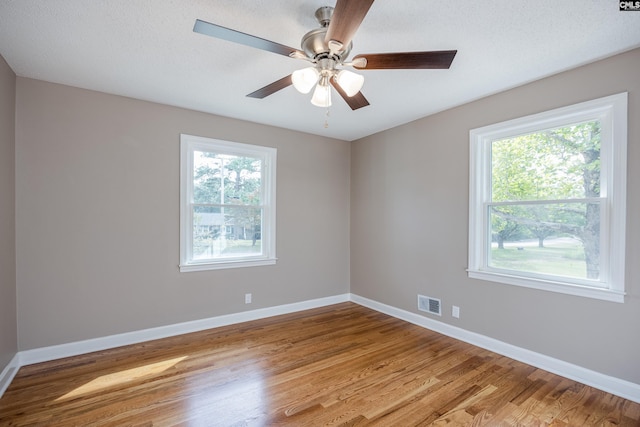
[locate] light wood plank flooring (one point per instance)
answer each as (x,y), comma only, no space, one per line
(339,365)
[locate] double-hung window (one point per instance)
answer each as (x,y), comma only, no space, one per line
(227,204)
(547,200)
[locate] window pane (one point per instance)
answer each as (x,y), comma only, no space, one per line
(554,164)
(560,239)
(223,232)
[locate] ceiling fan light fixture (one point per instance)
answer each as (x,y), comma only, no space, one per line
(322,96)
(350,82)
(303,80)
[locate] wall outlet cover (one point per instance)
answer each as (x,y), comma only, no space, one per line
(455,311)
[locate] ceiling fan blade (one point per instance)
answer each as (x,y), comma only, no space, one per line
(234,36)
(439,59)
(356,101)
(347,17)
(271,88)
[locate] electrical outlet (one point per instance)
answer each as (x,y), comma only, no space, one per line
(247,298)
(455,311)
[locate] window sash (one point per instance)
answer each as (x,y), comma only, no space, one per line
(490,266)
(191,257)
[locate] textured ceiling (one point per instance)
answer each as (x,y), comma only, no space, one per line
(146,49)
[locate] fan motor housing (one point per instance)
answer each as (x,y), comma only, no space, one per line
(313,43)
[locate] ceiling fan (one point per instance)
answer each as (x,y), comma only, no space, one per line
(327,49)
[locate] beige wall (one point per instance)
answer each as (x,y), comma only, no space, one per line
(97,192)
(8,329)
(409,223)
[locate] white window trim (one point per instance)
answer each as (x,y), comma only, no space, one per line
(612,112)
(190,143)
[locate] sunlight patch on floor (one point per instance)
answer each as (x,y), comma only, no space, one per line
(117,378)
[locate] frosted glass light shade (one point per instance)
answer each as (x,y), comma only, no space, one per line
(322,96)
(350,82)
(303,80)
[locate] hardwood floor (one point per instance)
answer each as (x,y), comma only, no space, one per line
(339,365)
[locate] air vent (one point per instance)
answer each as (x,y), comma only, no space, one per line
(430,305)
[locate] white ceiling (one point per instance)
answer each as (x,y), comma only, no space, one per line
(146,49)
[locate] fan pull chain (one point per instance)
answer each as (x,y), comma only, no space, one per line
(326,120)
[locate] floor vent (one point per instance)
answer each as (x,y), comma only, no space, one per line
(430,305)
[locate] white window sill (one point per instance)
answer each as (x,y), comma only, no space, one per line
(219,265)
(547,285)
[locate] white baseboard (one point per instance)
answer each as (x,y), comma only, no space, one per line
(619,387)
(8,373)
(613,385)
(45,354)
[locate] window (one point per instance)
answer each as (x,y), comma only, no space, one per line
(547,201)
(227,204)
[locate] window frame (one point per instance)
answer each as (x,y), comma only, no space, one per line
(612,113)
(188,145)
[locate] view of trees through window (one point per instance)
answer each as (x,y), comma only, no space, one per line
(227,212)
(544,210)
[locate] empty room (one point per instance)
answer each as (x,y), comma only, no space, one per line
(319,212)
